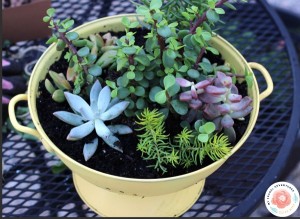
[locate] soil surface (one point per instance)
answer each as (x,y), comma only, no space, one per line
(107,160)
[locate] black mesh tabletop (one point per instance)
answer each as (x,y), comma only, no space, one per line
(30,189)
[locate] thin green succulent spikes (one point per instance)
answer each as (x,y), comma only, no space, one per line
(88,118)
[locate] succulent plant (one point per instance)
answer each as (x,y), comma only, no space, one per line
(60,85)
(87,117)
(170,73)
(219,101)
(223,104)
(191,96)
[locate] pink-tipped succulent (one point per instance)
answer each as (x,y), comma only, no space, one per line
(192,96)
(219,99)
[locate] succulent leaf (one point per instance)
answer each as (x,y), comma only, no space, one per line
(94,93)
(113,102)
(204,83)
(70,118)
(120,129)
(81,131)
(227,121)
(230,133)
(195,104)
(101,129)
(104,99)
(183,82)
(114,111)
(245,102)
(215,90)
(76,102)
(86,112)
(234,98)
(185,96)
(224,79)
(241,114)
(113,142)
(89,149)
(58,96)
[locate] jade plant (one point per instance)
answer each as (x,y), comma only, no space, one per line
(165,74)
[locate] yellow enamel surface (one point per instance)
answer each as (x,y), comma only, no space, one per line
(130,188)
(267,77)
(107,203)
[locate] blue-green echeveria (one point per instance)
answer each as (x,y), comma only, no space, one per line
(87,117)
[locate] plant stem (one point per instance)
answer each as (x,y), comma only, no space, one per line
(199,57)
(131,60)
(203,18)
(71,47)
(162,46)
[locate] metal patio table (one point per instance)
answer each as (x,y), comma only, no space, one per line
(30,189)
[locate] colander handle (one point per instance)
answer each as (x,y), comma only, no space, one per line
(14,122)
(267,77)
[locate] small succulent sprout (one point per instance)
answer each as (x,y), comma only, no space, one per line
(58,96)
(60,85)
(49,86)
(161,97)
(91,117)
(60,81)
(204,130)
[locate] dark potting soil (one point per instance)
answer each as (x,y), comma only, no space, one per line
(107,160)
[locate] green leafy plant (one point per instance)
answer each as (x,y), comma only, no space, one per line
(167,76)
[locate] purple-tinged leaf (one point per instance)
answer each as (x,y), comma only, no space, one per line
(241,114)
(200,91)
(89,149)
(217,122)
(211,112)
(230,133)
(114,111)
(81,131)
(215,90)
(223,108)
(234,98)
(227,121)
(224,79)
(194,92)
(204,83)
(195,104)
(210,98)
(183,82)
(70,118)
(245,102)
(104,99)
(234,89)
(101,129)
(185,96)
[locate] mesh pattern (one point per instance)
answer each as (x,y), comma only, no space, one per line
(31,189)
